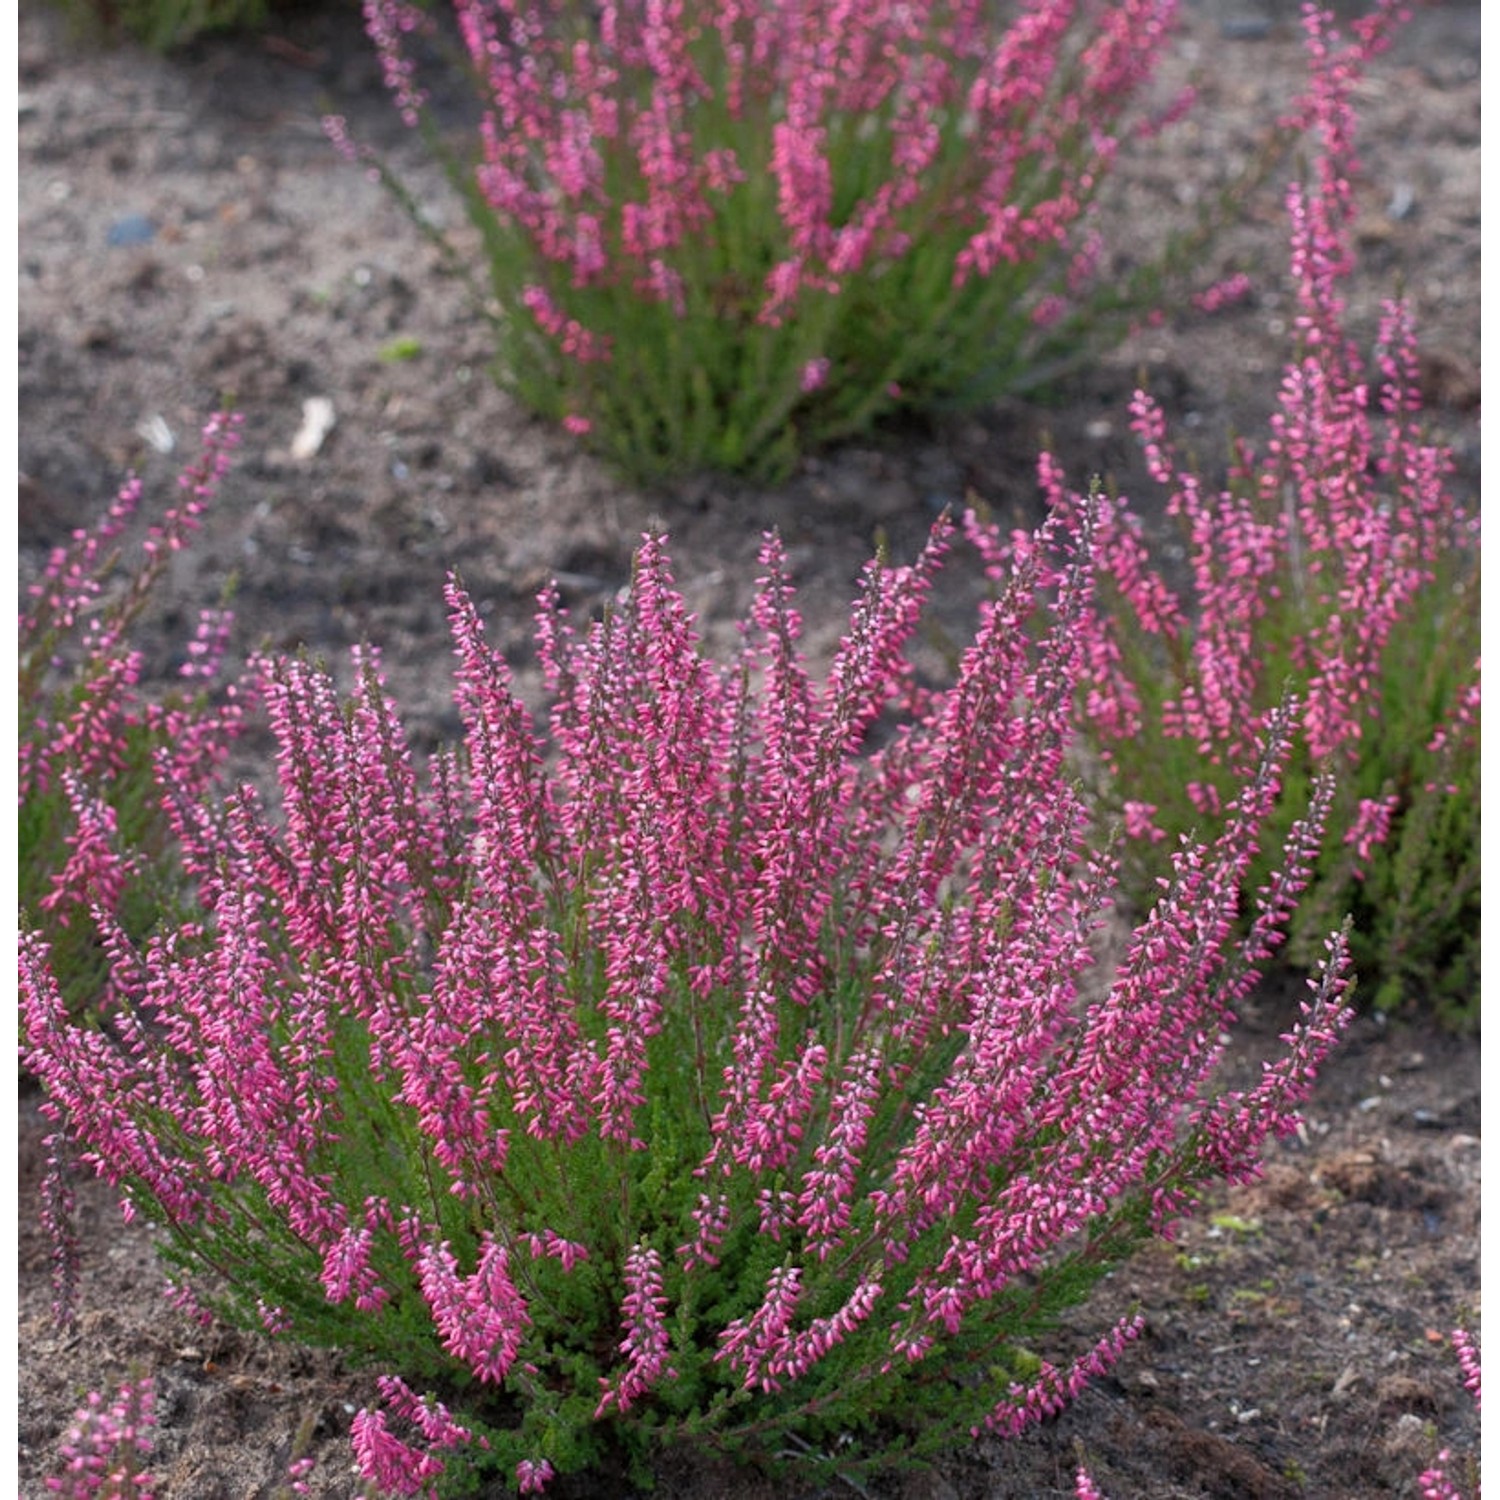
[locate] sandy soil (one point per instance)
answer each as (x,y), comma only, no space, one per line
(186,231)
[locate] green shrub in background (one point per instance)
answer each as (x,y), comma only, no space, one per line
(162,24)
(91,827)
(720,234)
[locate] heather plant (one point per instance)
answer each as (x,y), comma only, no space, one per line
(723,1057)
(1436,1483)
(90,827)
(718,234)
(101,1454)
(1336,559)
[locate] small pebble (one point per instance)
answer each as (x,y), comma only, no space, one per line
(1403,200)
(133,229)
(1245,28)
(318,420)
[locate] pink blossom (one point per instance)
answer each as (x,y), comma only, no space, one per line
(646,1343)
(814,375)
(1139,824)
(532,1475)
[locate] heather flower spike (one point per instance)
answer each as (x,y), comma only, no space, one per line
(92,830)
(688,1046)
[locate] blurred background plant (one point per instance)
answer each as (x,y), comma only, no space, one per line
(717,235)
(101,1455)
(1338,562)
(91,827)
(1438,1482)
(162,24)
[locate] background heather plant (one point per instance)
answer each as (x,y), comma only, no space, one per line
(1436,1483)
(1336,559)
(721,233)
(91,829)
(101,1455)
(163,24)
(725,1058)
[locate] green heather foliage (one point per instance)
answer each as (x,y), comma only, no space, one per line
(90,825)
(163,24)
(718,234)
(679,1067)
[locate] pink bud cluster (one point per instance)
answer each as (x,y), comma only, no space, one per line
(396,1466)
(1055,1389)
(1084,1487)
(102,1450)
(1434,1482)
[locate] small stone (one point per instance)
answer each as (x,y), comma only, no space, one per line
(154,430)
(318,419)
(1245,28)
(133,229)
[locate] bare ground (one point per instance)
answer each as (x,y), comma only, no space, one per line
(186,231)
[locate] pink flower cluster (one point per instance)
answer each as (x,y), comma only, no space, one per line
(103,1448)
(1434,1482)
(398,1467)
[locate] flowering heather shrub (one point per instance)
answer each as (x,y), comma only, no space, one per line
(720,233)
(723,1058)
(1336,559)
(1435,1482)
(91,830)
(102,1451)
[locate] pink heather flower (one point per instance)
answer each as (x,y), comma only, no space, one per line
(102,1448)
(273,1319)
(1054,1389)
(1223,294)
(533,1475)
(1049,310)
(1139,824)
(482,1318)
(1204,795)
(297,1473)
(1435,1484)
(572,337)
(814,375)
(348,1274)
(1468,1359)
(552,1245)
(577,425)
(396,1467)
(426,1413)
(751,1344)
(646,1343)
(388,22)
(1371,826)
(1085,1488)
